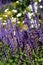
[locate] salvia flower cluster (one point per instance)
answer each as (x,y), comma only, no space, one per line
(24,40)
(12,35)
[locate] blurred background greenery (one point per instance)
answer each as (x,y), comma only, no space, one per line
(15,9)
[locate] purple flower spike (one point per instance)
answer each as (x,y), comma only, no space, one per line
(0,30)
(26,38)
(42,15)
(27,20)
(11,43)
(42,2)
(18,35)
(39,10)
(25,35)
(5,1)
(40,35)
(9,27)
(37,20)
(5,39)
(32,3)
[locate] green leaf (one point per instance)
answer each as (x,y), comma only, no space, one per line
(10,60)
(8,64)
(24,63)
(20,24)
(14,64)
(40,59)
(1,63)
(17,56)
(35,0)
(28,9)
